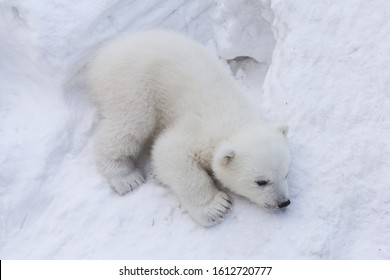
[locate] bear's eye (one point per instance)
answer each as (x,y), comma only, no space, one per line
(286,176)
(262,183)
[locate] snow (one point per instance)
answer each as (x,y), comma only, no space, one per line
(320,66)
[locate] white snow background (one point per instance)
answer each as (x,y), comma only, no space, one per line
(322,67)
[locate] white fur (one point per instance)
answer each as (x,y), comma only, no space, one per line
(163,87)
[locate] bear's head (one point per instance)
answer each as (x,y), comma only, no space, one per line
(255,164)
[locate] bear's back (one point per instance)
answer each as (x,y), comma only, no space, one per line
(166,70)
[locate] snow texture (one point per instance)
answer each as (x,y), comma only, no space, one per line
(320,66)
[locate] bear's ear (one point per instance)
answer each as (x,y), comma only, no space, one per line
(283,128)
(225,156)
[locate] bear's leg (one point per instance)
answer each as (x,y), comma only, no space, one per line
(175,167)
(117,147)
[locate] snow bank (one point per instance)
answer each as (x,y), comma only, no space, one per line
(321,67)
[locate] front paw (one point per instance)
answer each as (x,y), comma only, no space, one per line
(128,183)
(215,211)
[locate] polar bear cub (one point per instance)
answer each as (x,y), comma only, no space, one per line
(163,88)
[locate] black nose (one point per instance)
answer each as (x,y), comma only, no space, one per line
(284,204)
